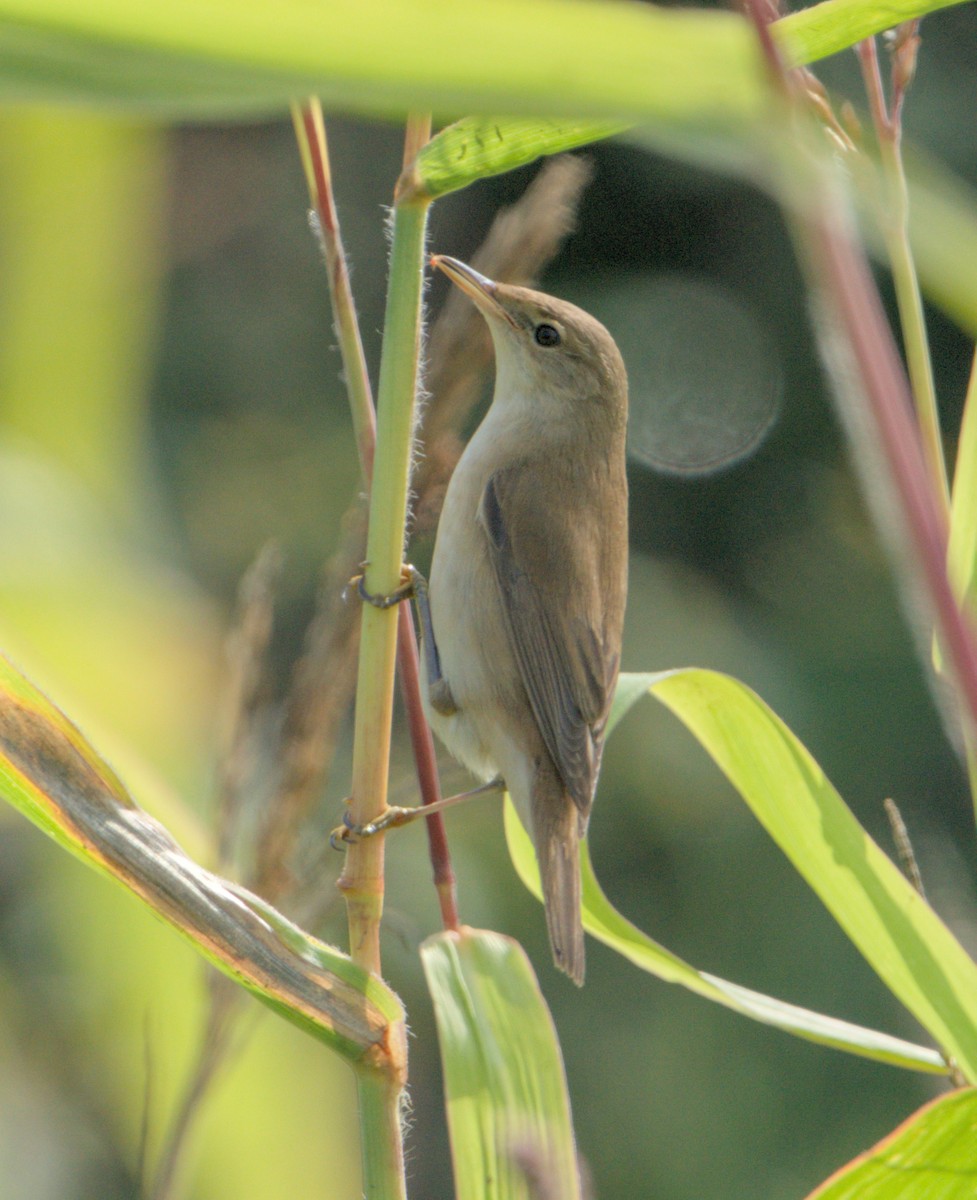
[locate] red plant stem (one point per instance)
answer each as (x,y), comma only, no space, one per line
(344,311)
(844,280)
(422,740)
(426,763)
(872,76)
(847,283)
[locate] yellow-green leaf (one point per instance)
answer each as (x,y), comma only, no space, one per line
(605,923)
(900,936)
(603,58)
(929,1157)
(51,773)
(477,147)
(962,553)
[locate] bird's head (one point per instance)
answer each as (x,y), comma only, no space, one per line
(546,348)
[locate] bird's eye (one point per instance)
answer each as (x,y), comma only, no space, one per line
(546,335)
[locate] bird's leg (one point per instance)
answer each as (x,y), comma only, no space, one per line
(349,832)
(414,585)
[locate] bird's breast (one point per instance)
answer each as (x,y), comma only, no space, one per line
(476,659)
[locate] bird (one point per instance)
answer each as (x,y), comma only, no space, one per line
(528,581)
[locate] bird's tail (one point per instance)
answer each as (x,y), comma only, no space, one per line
(557,829)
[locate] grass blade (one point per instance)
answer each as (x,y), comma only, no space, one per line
(899,935)
(962,551)
(605,923)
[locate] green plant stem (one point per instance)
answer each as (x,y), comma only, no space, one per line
(362,879)
(382,1141)
(311,136)
(895,230)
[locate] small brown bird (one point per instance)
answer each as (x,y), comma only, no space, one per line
(529,579)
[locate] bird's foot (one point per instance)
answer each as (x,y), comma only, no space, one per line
(349,833)
(409,577)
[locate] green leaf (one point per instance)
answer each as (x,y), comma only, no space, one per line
(51,773)
(618,61)
(508,1111)
(477,147)
(606,924)
(929,1157)
(897,932)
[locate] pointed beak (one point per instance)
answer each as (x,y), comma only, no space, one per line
(482,290)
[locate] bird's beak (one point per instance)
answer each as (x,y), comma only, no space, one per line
(482,290)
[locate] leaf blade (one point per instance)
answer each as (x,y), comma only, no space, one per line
(56,779)
(478,147)
(962,549)
(215,58)
(899,935)
(505,1088)
(605,923)
(929,1155)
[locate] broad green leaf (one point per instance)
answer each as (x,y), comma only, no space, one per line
(508,1111)
(609,60)
(50,772)
(606,924)
(929,1157)
(897,932)
(477,147)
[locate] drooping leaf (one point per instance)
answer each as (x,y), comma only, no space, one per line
(899,935)
(508,1110)
(53,775)
(929,1157)
(605,923)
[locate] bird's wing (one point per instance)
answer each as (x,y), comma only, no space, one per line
(563,599)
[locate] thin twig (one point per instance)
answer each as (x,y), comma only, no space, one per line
(310,132)
(895,228)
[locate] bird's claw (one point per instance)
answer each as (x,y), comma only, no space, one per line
(349,833)
(408,577)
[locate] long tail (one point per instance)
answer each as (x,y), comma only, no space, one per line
(557,832)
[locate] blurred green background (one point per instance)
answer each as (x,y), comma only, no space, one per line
(170,398)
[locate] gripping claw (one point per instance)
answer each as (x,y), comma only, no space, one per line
(408,575)
(349,833)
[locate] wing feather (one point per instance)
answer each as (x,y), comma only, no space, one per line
(561,585)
